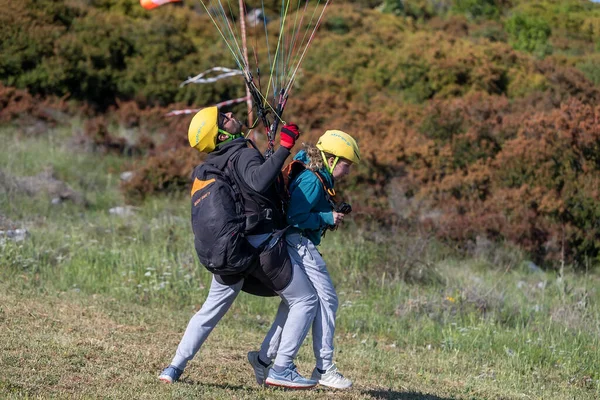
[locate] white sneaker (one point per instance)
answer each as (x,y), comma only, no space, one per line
(260,371)
(332,378)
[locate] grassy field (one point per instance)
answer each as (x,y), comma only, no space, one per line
(92,305)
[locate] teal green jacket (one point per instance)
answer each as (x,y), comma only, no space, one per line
(309,210)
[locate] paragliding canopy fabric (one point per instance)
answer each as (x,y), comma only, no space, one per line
(296,25)
(151,4)
(295,29)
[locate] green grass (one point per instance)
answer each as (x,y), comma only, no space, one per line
(93,305)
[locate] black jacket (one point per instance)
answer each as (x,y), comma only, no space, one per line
(252,167)
(258,180)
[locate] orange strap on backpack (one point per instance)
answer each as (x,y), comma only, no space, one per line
(295,168)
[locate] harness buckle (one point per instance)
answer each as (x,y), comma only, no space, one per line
(268,214)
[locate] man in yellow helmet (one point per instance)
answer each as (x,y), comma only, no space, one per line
(310,212)
(220,136)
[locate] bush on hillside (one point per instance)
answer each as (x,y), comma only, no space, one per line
(475,9)
(166,172)
(564,83)
(27,110)
(129,130)
(530,33)
(492,31)
(591,69)
(29,31)
(536,186)
(393,61)
(102,54)
(571,19)
(113,49)
(557,156)
(417,9)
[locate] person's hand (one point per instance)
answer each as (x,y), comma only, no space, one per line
(337,218)
(288,136)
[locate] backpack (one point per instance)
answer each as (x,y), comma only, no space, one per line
(295,168)
(219,222)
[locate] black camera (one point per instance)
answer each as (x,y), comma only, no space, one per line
(343,208)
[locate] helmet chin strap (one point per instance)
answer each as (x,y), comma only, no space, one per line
(230,136)
(332,167)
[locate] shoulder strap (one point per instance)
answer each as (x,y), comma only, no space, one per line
(269,210)
(329,191)
(296,167)
(291,171)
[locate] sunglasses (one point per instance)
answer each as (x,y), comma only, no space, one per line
(223,119)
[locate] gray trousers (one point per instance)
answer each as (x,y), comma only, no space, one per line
(300,300)
(303,252)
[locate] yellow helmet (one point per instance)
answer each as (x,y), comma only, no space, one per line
(204,129)
(340,144)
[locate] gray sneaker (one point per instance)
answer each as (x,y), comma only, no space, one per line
(260,371)
(289,378)
(332,378)
(171,374)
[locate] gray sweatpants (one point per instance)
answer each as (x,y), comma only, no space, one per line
(300,300)
(303,252)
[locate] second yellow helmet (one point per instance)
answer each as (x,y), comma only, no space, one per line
(340,144)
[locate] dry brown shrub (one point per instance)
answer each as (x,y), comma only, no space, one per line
(568,82)
(540,191)
(14,102)
(456,25)
(18,105)
(130,130)
(166,172)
